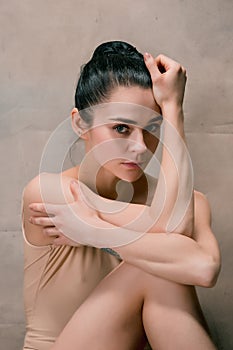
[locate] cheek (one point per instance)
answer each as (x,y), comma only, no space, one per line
(97,136)
(107,150)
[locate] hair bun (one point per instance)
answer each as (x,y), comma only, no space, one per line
(114,48)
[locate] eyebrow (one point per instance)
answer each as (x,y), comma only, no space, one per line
(129,121)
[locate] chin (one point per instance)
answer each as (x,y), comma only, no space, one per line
(130,177)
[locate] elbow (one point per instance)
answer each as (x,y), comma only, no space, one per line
(208,272)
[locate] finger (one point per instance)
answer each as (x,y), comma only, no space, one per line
(43,208)
(75,190)
(51,231)
(184,71)
(41,221)
(165,63)
(152,66)
(62,240)
(58,242)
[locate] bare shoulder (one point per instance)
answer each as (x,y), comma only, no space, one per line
(51,188)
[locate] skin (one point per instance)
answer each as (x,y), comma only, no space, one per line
(159,278)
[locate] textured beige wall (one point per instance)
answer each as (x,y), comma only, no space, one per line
(43,43)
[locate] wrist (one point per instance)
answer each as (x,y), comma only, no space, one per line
(172,111)
(174,115)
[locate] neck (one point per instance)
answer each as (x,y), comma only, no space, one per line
(110,187)
(106,184)
(99,180)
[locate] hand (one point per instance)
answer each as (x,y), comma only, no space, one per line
(81,223)
(57,217)
(49,229)
(168,79)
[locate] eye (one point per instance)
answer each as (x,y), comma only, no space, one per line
(121,128)
(152,128)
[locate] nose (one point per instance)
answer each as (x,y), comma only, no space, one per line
(137,143)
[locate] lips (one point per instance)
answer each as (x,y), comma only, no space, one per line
(132,165)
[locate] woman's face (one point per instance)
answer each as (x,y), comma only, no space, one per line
(125,132)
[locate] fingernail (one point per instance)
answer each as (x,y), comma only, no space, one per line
(147,56)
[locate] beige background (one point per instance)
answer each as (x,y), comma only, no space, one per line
(43,43)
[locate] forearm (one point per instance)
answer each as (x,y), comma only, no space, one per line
(175,184)
(172,256)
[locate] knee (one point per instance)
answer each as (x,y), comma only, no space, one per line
(164,291)
(147,286)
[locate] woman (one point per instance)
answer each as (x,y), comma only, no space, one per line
(159,269)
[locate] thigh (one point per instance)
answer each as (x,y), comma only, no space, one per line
(172,317)
(110,318)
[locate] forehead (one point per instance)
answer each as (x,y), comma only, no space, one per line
(136,95)
(127,113)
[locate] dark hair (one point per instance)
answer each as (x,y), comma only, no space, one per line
(114,63)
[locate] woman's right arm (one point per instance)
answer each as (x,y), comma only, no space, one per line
(175,183)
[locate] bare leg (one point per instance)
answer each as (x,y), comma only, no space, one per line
(172,317)
(111,318)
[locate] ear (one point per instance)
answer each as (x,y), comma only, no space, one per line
(78,124)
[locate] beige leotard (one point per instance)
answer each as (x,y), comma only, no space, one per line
(56,282)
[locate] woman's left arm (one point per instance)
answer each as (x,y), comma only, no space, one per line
(176,257)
